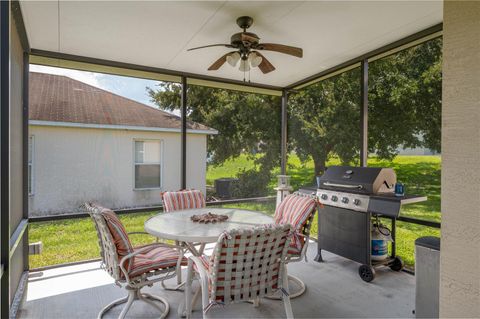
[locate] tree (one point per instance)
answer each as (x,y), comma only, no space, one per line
(405,91)
(324,118)
(247,124)
(404,109)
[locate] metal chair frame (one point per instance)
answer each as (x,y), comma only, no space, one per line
(253,259)
(117,269)
(305,234)
(183,248)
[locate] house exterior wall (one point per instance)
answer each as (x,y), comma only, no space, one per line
(196,161)
(74,165)
(460,243)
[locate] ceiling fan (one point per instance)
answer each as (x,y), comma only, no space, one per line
(247,47)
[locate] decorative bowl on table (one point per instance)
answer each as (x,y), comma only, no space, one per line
(208,218)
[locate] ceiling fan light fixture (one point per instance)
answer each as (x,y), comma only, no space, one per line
(233,58)
(244,66)
(254,59)
(248,49)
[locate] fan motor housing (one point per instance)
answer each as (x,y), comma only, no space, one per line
(236,39)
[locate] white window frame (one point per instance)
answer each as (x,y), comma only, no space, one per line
(31,165)
(135,163)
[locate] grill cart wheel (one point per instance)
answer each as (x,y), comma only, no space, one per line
(366,272)
(397,264)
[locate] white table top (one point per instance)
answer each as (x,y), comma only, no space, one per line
(178,226)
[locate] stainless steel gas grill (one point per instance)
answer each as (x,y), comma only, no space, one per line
(351,197)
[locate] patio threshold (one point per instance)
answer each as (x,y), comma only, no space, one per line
(334,289)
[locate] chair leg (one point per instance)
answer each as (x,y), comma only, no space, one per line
(111,305)
(285,297)
(178,272)
(148,298)
(205,301)
(179,267)
(131,298)
(134,294)
(298,282)
(188,290)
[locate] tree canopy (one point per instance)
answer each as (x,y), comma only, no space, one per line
(324,118)
(247,124)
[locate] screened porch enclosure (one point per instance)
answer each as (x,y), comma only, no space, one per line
(339,106)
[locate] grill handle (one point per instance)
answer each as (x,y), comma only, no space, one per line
(343,185)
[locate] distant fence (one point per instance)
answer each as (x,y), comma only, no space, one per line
(35,219)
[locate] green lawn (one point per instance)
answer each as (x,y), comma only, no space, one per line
(74,240)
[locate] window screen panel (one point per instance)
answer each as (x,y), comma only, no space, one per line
(147,176)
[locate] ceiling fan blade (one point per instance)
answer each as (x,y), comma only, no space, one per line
(212,45)
(217,64)
(286,49)
(265,66)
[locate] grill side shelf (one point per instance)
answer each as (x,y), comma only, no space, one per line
(404,200)
(389,204)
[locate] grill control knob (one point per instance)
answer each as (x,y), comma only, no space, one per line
(345,200)
(356,202)
(334,198)
(324,196)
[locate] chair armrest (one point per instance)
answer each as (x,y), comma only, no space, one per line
(200,268)
(138,233)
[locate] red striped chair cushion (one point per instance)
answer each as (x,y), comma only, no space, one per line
(153,259)
(295,210)
(119,235)
(188,199)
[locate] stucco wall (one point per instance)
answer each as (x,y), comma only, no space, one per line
(74,165)
(196,161)
(460,244)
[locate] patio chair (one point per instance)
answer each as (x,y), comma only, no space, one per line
(246,265)
(183,199)
(297,210)
(131,267)
(179,200)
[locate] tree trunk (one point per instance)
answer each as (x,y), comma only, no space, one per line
(319,163)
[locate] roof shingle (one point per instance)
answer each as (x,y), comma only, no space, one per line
(59,98)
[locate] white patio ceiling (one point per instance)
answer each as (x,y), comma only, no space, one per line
(157,34)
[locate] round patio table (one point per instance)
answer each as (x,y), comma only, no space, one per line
(178,226)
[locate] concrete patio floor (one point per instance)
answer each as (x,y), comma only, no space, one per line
(334,289)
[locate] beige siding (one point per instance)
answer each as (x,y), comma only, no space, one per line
(460,245)
(74,165)
(196,149)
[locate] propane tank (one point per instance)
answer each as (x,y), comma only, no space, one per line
(380,238)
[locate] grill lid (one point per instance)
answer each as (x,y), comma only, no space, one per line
(366,180)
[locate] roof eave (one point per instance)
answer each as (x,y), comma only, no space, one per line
(119,127)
